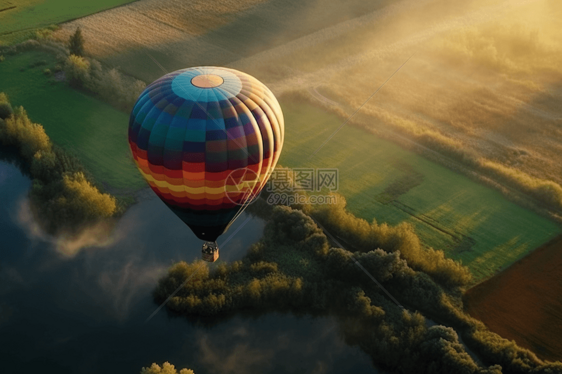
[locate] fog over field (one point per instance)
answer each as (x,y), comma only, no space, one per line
(482,85)
(440,121)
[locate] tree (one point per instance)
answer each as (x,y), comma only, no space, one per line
(166,368)
(5,107)
(5,110)
(77,70)
(76,43)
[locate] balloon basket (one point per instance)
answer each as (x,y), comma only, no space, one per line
(210,251)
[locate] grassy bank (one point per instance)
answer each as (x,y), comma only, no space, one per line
(382,181)
(19,19)
(294,268)
(92,130)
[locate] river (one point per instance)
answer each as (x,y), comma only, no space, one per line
(64,310)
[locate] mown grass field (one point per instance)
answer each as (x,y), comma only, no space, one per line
(19,18)
(380,180)
(90,129)
(181,33)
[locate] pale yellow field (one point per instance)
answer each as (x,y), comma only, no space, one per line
(150,22)
(130,37)
(484,80)
(179,33)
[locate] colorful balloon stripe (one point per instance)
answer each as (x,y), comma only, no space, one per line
(204,138)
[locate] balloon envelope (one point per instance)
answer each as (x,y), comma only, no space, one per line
(206,139)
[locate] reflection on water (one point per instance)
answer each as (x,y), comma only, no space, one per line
(85,314)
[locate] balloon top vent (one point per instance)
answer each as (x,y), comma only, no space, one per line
(207,81)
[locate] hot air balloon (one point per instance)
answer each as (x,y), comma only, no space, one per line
(206,139)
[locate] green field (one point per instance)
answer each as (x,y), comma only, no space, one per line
(19,17)
(87,127)
(380,180)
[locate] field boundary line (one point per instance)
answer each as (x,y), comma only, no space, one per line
(456,166)
(330,236)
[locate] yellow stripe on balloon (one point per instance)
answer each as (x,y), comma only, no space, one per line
(243,186)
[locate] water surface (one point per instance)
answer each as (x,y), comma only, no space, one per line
(86,313)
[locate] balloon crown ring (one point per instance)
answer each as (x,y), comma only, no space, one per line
(207,81)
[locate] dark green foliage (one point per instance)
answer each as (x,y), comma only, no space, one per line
(166,368)
(37,63)
(52,165)
(76,71)
(5,110)
(511,357)
(109,85)
(293,268)
(364,237)
(21,47)
(76,43)
(443,343)
(62,196)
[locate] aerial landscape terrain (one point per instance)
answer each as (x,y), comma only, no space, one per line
(437,250)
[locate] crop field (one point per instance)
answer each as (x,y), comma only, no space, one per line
(453,92)
(523,303)
(483,78)
(19,18)
(87,127)
(180,34)
(382,181)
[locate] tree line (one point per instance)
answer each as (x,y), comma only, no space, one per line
(82,72)
(63,196)
(539,194)
(166,368)
(295,268)
(109,85)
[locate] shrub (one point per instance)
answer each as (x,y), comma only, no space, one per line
(76,43)
(77,70)
(27,136)
(38,63)
(402,239)
(166,368)
(62,196)
(5,110)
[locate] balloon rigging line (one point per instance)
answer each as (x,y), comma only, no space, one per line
(157,63)
(376,281)
(170,297)
(193,274)
(236,231)
(244,206)
(360,266)
(246,203)
(357,110)
(215,120)
(249,200)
